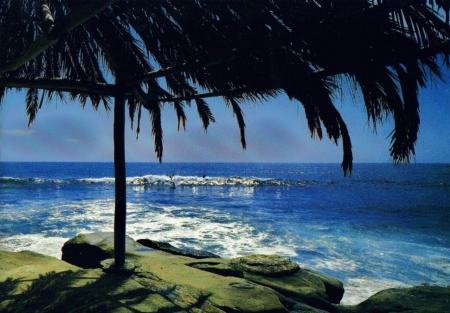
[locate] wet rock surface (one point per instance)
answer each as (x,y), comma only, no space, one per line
(167,247)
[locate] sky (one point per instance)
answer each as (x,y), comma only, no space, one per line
(276,132)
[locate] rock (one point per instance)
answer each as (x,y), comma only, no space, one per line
(88,250)
(32,282)
(163,282)
(219,268)
(29,264)
(108,266)
(80,252)
(169,276)
(334,288)
(265,265)
(421,299)
(167,247)
(304,308)
(303,286)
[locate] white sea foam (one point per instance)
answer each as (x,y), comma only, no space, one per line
(200,228)
(102,180)
(164,180)
(336,263)
(36,242)
(203,228)
(193,181)
(361,288)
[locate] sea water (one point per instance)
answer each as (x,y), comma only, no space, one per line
(384,226)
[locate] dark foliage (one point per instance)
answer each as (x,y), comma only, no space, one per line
(176,51)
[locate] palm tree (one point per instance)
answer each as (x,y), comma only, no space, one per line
(239,50)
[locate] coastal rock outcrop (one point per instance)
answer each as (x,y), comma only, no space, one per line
(297,287)
(160,281)
(251,283)
(88,250)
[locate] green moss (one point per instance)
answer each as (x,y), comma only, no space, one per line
(79,239)
(430,299)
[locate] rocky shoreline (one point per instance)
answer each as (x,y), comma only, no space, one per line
(162,278)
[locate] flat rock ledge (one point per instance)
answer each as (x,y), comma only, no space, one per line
(265,265)
(159,281)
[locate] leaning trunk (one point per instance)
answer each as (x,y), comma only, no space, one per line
(120,177)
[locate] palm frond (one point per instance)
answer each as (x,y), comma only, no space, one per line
(157,132)
(138,122)
(407,124)
(347,160)
(207,117)
(315,96)
(239,114)
(178,86)
(379,91)
(313,119)
(2,94)
(181,115)
(138,127)
(444,5)
(243,51)
(132,104)
(32,104)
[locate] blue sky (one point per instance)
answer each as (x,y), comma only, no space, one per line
(276,132)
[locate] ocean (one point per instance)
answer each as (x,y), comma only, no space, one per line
(384,226)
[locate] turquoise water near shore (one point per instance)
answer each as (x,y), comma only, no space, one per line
(384,226)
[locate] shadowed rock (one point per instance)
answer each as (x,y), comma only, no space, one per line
(88,250)
(84,255)
(167,247)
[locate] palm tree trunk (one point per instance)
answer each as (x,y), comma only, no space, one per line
(120,177)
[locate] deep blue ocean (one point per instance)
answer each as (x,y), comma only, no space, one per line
(385,226)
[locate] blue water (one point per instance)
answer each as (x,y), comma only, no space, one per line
(384,226)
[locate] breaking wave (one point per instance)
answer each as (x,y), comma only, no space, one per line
(164,180)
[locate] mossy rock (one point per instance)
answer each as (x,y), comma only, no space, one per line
(88,250)
(265,265)
(303,286)
(420,299)
(32,282)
